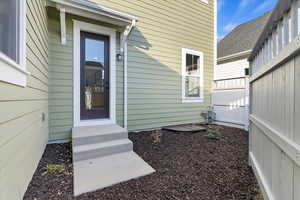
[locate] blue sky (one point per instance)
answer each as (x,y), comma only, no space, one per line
(234,12)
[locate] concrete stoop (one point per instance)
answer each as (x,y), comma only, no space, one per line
(103,156)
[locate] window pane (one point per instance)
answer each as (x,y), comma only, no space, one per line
(192,87)
(94,74)
(192,65)
(9,28)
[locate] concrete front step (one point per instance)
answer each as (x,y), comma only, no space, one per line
(97,134)
(103,156)
(90,151)
(99,173)
(87,131)
(99,138)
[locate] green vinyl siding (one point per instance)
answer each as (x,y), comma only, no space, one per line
(61,81)
(154,64)
(61,77)
(154,79)
(23,133)
(154,59)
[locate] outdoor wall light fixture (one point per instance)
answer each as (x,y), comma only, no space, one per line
(119,57)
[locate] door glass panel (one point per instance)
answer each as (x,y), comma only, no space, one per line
(94,75)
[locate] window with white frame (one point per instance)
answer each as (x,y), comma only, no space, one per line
(192,76)
(12,41)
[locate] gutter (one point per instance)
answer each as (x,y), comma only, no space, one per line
(236,55)
(124,39)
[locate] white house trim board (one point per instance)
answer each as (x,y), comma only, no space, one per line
(83,26)
(63,26)
(91,5)
(183,75)
(125,59)
(12,71)
(22,50)
(215,35)
(93,11)
(124,49)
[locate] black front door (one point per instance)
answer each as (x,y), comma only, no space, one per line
(94,76)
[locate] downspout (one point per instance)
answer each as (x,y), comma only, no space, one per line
(124,38)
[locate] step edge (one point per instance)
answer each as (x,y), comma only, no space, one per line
(116,129)
(96,153)
(99,135)
(97,139)
(100,145)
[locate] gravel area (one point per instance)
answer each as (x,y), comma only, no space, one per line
(206,165)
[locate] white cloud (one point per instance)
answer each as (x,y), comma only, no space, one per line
(220,4)
(220,37)
(226,29)
(229,27)
(241,8)
(244,3)
(263,6)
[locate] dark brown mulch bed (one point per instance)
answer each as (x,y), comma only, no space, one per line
(189,167)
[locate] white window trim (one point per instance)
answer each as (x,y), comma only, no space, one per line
(183,75)
(83,26)
(11,71)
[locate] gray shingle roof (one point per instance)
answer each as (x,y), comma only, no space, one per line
(243,37)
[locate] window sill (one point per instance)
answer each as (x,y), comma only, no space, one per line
(192,100)
(11,72)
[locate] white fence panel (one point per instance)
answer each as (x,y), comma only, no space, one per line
(232,116)
(274,130)
(230,100)
(275,112)
(297,182)
(297,100)
(233,98)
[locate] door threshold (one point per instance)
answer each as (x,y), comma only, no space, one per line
(95,122)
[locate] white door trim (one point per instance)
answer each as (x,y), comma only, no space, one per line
(92,28)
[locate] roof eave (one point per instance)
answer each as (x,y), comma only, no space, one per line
(117,17)
(236,55)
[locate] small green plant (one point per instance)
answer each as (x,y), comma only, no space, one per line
(214,135)
(52,169)
(156,136)
(259,195)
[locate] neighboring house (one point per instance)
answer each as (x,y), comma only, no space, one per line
(231,82)
(275,104)
(89,71)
